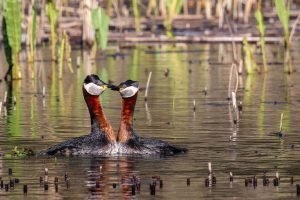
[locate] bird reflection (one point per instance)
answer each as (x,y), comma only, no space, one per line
(113,178)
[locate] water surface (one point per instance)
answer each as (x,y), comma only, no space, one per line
(35,122)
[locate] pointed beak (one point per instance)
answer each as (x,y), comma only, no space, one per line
(113,87)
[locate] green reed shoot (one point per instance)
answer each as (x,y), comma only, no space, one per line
(52,14)
(68,50)
(13,19)
(261,28)
(284,16)
(7,50)
(137,17)
(33,33)
(173,9)
(100,21)
(61,56)
(249,62)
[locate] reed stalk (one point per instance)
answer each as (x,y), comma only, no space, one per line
(52,14)
(32,37)
(68,51)
(12,30)
(147,86)
(249,62)
(61,56)
(100,22)
(173,8)
(281,122)
(282,10)
(261,28)
(208,6)
(137,17)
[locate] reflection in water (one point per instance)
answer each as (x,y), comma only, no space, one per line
(36,123)
(108,174)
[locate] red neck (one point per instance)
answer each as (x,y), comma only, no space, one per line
(99,123)
(125,130)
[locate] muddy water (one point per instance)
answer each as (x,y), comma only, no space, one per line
(35,122)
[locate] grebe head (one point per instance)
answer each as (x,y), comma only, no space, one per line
(94,85)
(128,88)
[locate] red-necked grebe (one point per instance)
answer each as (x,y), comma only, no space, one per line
(101,140)
(128,141)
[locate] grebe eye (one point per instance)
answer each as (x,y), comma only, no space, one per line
(94,89)
(129,91)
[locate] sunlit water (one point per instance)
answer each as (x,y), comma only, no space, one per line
(37,123)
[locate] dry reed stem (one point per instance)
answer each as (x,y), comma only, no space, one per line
(281,122)
(294,29)
(147,87)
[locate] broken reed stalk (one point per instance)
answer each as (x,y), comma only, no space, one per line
(5,98)
(78,61)
(44,91)
(209,168)
(281,122)
(240,70)
(194,105)
(234,100)
(235,108)
(147,87)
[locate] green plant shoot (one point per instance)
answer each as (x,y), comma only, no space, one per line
(261,28)
(249,62)
(284,17)
(33,33)
(137,16)
(52,14)
(61,57)
(173,9)
(13,19)
(100,23)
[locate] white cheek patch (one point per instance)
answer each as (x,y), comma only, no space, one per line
(129,91)
(93,89)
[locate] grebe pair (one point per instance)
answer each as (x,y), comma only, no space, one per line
(102,140)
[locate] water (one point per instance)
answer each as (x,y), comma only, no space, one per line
(36,123)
